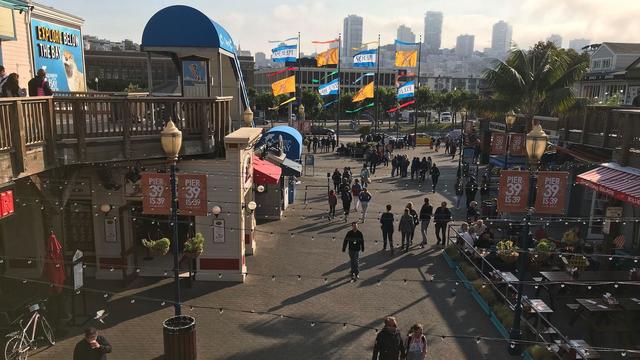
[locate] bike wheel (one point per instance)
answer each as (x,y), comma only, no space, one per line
(16,348)
(47,331)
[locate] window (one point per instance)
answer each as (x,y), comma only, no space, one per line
(595,64)
(606,64)
(78,225)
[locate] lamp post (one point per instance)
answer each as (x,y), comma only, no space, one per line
(171,140)
(509,120)
(462,123)
(536,144)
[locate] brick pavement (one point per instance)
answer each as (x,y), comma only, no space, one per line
(135,329)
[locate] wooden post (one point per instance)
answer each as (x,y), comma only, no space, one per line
(18,135)
(126,128)
(606,128)
(50,130)
(80,128)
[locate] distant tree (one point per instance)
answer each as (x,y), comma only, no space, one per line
(312,104)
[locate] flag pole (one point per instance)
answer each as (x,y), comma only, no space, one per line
(415,96)
(375,126)
(299,72)
(339,92)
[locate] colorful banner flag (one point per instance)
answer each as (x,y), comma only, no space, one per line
(360,108)
(365,58)
(284,53)
(280,71)
(513,191)
(283,103)
(362,77)
(551,193)
(284,86)
(156,196)
(364,45)
(324,42)
(330,88)
(329,57)
(406,58)
(498,143)
(394,109)
(315,81)
(516,145)
(283,41)
(400,42)
(329,103)
(365,93)
(407,90)
(192,194)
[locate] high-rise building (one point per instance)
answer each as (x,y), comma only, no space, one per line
(555,39)
(351,36)
(260,57)
(405,34)
(578,44)
(464,45)
(433,31)
(501,37)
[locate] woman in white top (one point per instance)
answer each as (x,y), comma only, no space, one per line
(416,343)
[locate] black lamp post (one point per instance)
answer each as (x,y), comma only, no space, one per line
(536,144)
(509,119)
(171,140)
(463,121)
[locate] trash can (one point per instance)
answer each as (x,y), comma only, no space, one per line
(179,334)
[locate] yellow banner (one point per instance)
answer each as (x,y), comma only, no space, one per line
(406,58)
(364,93)
(329,57)
(284,86)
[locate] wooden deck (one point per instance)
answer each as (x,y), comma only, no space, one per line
(40,133)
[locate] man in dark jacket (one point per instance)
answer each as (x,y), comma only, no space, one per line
(355,241)
(92,347)
(389,344)
(426,211)
(337,179)
(441,217)
(386,219)
(471,189)
(39,86)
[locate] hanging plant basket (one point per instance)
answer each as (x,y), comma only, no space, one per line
(508,257)
(192,255)
(194,246)
(157,247)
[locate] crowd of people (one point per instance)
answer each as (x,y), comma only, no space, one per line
(322,144)
(10,85)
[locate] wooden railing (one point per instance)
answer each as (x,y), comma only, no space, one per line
(599,126)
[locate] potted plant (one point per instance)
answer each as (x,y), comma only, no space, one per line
(507,251)
(570,237)
(194,246)
(543,248)
(157,247)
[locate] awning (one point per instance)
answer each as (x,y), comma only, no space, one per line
(265,172)
(619,182)
(291,168)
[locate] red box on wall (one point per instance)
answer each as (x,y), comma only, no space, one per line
(6,203)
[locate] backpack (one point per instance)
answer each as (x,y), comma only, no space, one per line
(422,338)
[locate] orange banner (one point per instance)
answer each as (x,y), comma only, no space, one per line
(192,194)
(498,143)
(552,191)
(156,193)
(513,191)
(329,57)
(516,145)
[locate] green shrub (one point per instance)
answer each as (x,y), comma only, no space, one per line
(539,352)
(453,252)
(485,292)
(160,246)
(470,272)
(504,314)
(195,244)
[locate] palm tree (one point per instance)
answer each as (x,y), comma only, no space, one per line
(536,81)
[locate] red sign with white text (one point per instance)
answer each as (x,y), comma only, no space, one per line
(6,203)
(498,143)
(513,191)
(551,193)
(192,194)
(516,145)
(156,193)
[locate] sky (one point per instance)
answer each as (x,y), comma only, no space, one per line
(252,23)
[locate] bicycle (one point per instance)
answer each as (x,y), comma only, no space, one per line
(23,340)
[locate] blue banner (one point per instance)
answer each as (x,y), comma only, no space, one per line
(399,42)
(284,53)
(367,58)
(330,88)
(362,77)
(59,51)
(406,90)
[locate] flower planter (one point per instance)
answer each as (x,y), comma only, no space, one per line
(192,255)
(509,258)
(155,252)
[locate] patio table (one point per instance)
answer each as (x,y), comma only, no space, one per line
(561,276)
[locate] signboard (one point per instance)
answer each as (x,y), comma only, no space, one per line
(58,49)
(156,198)
(516,145)
(110,230)
(6,203)
(551,193)
(309,159)
(78,271)
(497,127)
(218,231)
(192,194)
(513,189)
(498,143)
(194,78)
(611,214)
(7,24)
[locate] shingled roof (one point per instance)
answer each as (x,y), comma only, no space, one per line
(623,48)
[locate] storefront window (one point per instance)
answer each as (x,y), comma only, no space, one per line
(78,226)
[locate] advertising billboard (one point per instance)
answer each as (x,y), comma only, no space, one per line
(58,50)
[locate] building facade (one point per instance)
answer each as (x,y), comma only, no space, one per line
(556,40)
(465,45)
(501,37)
(405,34)
(351,37)
(433,31)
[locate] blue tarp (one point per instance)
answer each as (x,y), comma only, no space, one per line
(291,139)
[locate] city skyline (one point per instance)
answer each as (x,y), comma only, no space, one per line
(571,19)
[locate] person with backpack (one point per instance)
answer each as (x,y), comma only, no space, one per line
(389,344)
(364,197)
(386,221)
(333,201)
(426,211)
(415,217)
(345,195)
(11,86)
(435,174)
(39,86)
(442,217)
(356,188)
(337,179)
(406,228)
(416,344)
(365,174)
(354,240)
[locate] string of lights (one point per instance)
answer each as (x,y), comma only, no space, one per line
(108,295)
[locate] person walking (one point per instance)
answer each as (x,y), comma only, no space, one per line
(415,165)
(364,197)
(452,150)
(307,142)
(389,344)
(355,241)
(426,211)
(415,217)
(365,174)
(314,144)
(333,144)
(394,165)
(373,161)
(386,222)
(435,174)
(39,86)
(406,227)
(346,197)
(416,343)
(92,347)
(424,167)
(333,201)
(441,217)
(337,179)
(11,86)
(356,188)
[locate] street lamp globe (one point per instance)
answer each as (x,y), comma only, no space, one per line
(216,210)
(171,140)
(536,143)
(252,205)
(510,118)
(105,208)
(247,117)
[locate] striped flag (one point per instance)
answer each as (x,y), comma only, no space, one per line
(330,88)
(284,53)
(366,58)
(406,90)
(619,241)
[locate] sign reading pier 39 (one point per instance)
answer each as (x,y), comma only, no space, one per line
(58,49)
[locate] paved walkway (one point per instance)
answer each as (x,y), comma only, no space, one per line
(135,329)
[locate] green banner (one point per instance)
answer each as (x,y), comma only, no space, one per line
(360,108)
